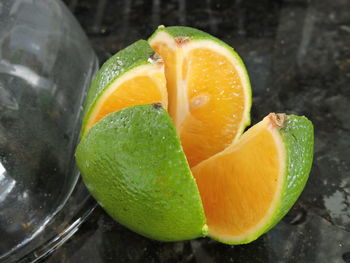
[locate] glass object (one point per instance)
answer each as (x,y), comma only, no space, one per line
(46,64)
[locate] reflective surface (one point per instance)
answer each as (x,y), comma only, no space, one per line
(46,63)
(298,56)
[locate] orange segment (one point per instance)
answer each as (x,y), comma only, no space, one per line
(240,186)
(216,104)
(144,85)
(209,94)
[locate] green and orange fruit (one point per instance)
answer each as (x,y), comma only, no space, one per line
(179,167)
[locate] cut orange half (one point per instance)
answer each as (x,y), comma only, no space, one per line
(209,90)
(135,75)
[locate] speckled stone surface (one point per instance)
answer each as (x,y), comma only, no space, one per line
(298,57)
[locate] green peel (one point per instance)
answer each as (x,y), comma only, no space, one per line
(133,164)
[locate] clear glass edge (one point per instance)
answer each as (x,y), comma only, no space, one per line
(48,247)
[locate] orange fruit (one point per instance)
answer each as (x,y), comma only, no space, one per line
(208,87)
(188,172)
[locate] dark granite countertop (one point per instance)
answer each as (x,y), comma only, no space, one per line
(298,56)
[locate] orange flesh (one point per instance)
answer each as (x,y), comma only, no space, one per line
(216,105)
(209,114)
(141,89)
(238,186)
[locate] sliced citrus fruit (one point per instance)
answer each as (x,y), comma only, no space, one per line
(209,90)
(250,186)
(135,75)
(133,164)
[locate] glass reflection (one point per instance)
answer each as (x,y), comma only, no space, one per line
(6,183)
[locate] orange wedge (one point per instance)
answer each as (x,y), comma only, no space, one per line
(135,75)
(247,188)
(209,90)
